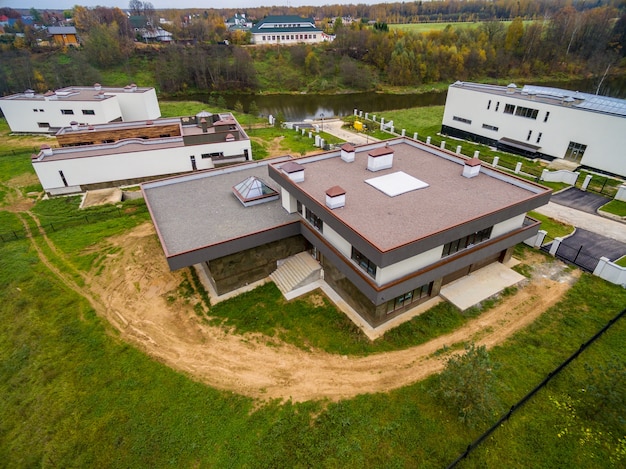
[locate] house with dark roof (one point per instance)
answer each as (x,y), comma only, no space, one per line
(63,35)
(541,122)
(389,224)
(287,30)
(238,22)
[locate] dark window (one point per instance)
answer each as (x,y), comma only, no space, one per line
(89,112)
(63,178)
(509,109)
(35,110)
(461,119)
(497,106)
(539,137)
(67,111)
(489,104)
(363,262)
(218,154)
(299,206)
(43,125)
(409,297)
(545,119)
(164,135)
(526,112)
(530,132)
(490,127)
(314,220)
(193,162)
(466,241)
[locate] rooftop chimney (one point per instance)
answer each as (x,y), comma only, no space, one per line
(46,150)
(29,93)
(510,89)
(335,197)
(97,86)
(74,125)
(294,170)
(230,138)
(380,158)
(347,153)
(203,125)
(471,168)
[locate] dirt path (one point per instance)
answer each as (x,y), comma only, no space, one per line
(134,290)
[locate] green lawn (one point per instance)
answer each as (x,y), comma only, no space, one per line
(554,227)
(427,27)
(74,394)
(615,207)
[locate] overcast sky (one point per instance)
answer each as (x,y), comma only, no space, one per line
(179,4)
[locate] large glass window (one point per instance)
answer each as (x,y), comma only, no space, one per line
(314,220)
(363,262)
(575,151)
(409,297)
(509,109)
(466,241)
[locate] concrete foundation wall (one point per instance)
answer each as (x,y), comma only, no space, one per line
(239,269)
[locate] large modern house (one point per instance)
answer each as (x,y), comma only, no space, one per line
(537,121)
(124,153)
(389,223)
(287,30)
(47,113)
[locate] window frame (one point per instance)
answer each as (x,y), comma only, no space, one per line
(363,262)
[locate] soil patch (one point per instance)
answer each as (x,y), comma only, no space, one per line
(137,293)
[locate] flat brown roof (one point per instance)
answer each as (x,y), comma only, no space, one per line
(390,222)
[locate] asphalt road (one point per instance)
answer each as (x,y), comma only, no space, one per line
(580,200)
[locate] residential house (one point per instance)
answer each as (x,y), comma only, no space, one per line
(389,223)
(63,35)
(123,153)
(541,122)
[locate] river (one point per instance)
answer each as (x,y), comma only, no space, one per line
(299,107)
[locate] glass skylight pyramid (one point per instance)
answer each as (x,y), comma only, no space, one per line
(253,190)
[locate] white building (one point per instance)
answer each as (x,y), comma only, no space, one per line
(133,152)
(543,122)
(36,113)
(287,30)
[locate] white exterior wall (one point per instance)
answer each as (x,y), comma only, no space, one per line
(507,225)
(107,168)
(137,106)
(412,264)
(312,38)
(602,133)
(21,116)
(338,242)
(289,202)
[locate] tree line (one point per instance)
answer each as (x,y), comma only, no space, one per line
(588,41)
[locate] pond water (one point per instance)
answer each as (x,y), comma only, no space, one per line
(300,107)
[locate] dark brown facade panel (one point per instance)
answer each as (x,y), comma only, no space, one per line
(233,246)
(242,268)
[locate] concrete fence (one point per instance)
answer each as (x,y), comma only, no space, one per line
(562,175)
(611,272)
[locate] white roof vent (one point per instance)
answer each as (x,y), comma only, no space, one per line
(471,168)
(347,153)
(97,86)
(29,93)
(46,150)
(335,197)
(294,170)
(380,158)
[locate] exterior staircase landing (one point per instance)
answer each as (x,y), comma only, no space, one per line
(295,272)
(562,163)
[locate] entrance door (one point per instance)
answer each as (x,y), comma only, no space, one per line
(575,152)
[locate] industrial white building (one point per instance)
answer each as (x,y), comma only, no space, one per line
(45,113)
(287,30)
(537,121)
(147,150)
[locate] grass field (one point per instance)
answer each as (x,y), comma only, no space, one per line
(73,394)
(427,27)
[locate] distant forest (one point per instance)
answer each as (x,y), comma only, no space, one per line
(544,39)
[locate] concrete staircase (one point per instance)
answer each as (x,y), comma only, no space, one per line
(295,272)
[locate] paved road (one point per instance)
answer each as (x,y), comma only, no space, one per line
(580,200)
(594,223)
